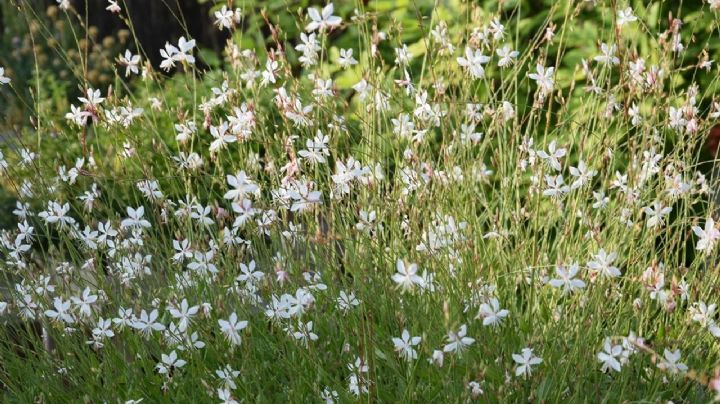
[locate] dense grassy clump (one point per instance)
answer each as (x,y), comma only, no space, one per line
(429,202)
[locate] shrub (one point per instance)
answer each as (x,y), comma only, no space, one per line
(436,202)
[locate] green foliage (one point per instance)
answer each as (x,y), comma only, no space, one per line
(501,234)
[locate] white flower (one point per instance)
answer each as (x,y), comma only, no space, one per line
(525,360)
(567,279)
(3,79)
(248,273)
(608,55)
(185,46)
(473,61)
(670,362)
(602,263)
(457,342)
(321,21)
(185,313)
(346,301)
(404,345)
(169,362)
(224,18)
(346,58)
(84,302)
(113,6)
(491,313)
(135,218)
(708,236)
(305,333)
(231,328)
(317,149)
(92,98)
(146,322)
(703,313)
(543,78)
(61,312)
(329,396)
(714,329)
(625,16)
(610,356)
(78,116)
(634,113)
(243,186)
(402,56)
(57,213)
(556,187)
(407,276)
(656,214)
(225,396)
(131,63)
(309,48)
(497,29)
(438,358)
(100,332)
(507,56)
(475,389)
(553,155)
(582,175)
(227,375)
(221,137)
(168,54)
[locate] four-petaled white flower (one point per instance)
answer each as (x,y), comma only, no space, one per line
(83,302)
(61,312)
(231,328)
(304,333)
(608,55)
(525,360)
(670,362)
(491,313)
(544,78)
(566,279)
(322,20)
(406,276)
(347,301)
(473,61)
(224,18)
(602,264)
(131,63)
(404,345)
(135,218)
(221,137)
(656,214)
(169,362)
(507,56)
(708,236)
(625,16)
(184,313)
(147,323)
(346,58)
(610,356)
(113,7)
(243,186)
(458,341)
(92,98)
(553,155)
